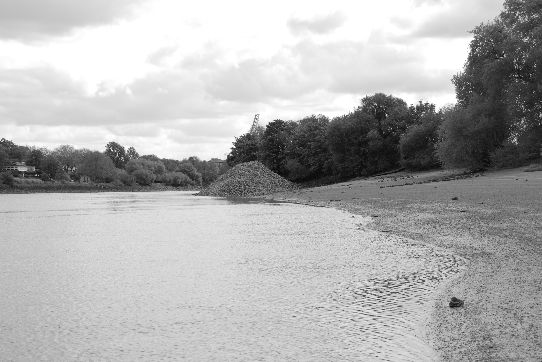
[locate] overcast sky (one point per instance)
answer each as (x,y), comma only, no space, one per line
(180,78)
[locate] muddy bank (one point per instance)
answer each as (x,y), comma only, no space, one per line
(493,221)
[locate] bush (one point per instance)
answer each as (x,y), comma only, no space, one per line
(62,176)
(7,178)
(144,177)
(417,147)
(126,178)
(177,179)
(45,176)
(506,157)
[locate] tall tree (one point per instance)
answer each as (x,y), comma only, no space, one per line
(276,139)
(117,154)
(97,166)
(245,148)
(131,154)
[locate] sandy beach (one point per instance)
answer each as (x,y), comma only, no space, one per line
(493,220)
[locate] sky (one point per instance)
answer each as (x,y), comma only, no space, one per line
(179,78)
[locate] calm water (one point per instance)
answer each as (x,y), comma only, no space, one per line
(170,276)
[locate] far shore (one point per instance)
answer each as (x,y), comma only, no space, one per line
(493,220)
(76,187)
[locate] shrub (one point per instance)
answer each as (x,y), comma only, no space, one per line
(144,177)
(7,178)
(126,178)
(417,147)
(506,157)
(62,176)
(177,179)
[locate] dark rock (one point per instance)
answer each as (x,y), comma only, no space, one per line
(455,302)
(455,198)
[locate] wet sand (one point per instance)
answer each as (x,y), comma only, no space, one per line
(495,224)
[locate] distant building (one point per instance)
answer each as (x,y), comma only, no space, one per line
(19,166)
(217,161)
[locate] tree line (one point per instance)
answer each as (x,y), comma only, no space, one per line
(497,121)
(115,164)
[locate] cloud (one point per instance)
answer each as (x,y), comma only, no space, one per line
(454,19)
(319,25)
(30,19)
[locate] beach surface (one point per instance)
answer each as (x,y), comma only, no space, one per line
(494,221)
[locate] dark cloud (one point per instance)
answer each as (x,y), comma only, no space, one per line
(31,19)
(457,18)
(320,25)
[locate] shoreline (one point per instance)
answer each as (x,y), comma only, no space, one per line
(492,221)
(85,188)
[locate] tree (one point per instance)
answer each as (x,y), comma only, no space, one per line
(349,144)
(144,177)
(68,157)
(131,154)
(98,167)
(276,139)
(245,149)
(189,170)
(308,153)
(4,157)
(157,168)
(116,153)
(49,166)
(418,144)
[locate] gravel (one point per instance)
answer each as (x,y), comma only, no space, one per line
(247,180)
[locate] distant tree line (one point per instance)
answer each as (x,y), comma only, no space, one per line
(114,165)
(497,121)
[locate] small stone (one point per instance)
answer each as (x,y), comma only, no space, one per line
(455,302)
(454,198)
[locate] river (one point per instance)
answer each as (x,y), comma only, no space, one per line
(171,276)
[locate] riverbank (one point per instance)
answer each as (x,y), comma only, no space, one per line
(73,187)
(493,221)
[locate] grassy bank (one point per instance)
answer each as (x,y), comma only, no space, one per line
(490,219)
(44,187)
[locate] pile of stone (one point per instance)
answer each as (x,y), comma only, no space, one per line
(246,180)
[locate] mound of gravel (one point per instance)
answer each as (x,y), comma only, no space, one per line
(247,179)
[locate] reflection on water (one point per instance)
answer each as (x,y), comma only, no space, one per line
(170,276)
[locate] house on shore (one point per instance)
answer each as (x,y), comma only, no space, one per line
(21,167)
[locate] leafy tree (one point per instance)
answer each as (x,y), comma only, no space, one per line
(418,144)
(117,154)
(245,149)
(68,157)
(309,149)
(349,144)
(157,168)
(98,167)
(49,166)
(276,140)
(36,156)
(7,178)
(4,157)
(131,154)
(144,177)
(189,170)
(178,179)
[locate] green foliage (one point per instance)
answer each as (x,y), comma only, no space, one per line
(131,154)
(7,178)
(348,143)
(245,149)
(98,167)
(126,178)
(190,170)
(506,156)
(117,154)
(418,144)
(309,149)
(276,140)
(62,176)
(499,91)
(49,166)
(156,167)
(178,179)
(144,177)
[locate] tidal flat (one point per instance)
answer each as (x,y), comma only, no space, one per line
(493,222)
